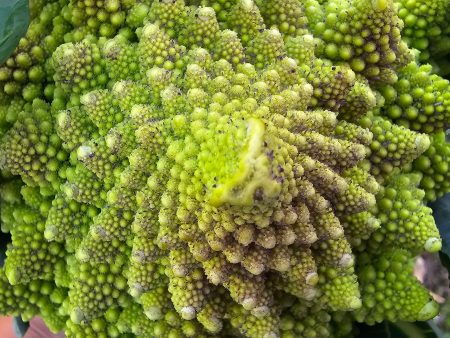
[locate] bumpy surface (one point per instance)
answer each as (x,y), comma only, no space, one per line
(220,168)
(425,25)
(427,30)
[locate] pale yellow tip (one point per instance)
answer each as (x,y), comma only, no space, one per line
(153,313)
(188,313)
(429,311)
(379,5)
(433,244)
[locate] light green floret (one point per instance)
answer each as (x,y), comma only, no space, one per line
(97,288)
(121,59)
(73,126)
(104,18)
(391,292)
(200,28)
(29,299)
(287,16)
(167,15)
(32,149)
(79,67)
(253,326)
(364,34)
(83,186)
(25,73)
(419,100)
(302,48)
(245,18)
(425,23)
(301,320)
(393,147)
(405,221)
(19,267)
(434,166)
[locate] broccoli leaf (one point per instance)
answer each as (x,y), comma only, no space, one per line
(441,213)
(20,327)
(445,260)
(398,330)
(14,20)
(4,240)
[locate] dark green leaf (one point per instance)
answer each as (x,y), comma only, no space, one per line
(4,240)
(397,330)
(441,213)
(445,260)
(20,327)
(14,20)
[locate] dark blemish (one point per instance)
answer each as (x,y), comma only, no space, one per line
(258,194)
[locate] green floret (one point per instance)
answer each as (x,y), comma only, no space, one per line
(434,165)
(152,47)
(121,59)
(301,320)
(27,286)
(425,24)
(302,48)
(32,149)
(74,128)
(201,28)
(68,221)
(253,326)
(104,18)
(83,186)
(101,110)
(366,35)
(228,47)
(265,48)
(96,328)
(287,16)
(27,236)
(332,84)
(97,288)
(394,147)
(358,102)
(14,108)
(406,222)
(188,285)
(25,73)
(94,155)
(245,19)
(30,299)
(79,67)
(419,100)
(36,7)
(390,290)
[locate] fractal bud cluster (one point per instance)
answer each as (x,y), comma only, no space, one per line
(222,168)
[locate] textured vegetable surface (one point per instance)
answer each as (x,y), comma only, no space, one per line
(220,168)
